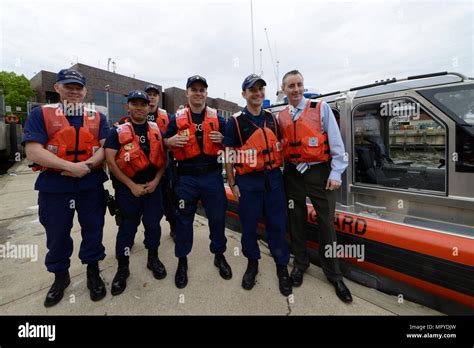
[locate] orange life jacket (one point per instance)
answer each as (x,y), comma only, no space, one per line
(186,127)
(162,119)
(260,143)
(67,142)
(304,139)
(122,120)
(131,158)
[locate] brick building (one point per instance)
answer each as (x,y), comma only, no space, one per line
(98,81)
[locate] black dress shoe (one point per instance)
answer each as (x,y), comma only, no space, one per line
(284,280)
(155,265)
(95,284)
(224,269)
(297,276)
(248,280)
(181,277)
(120,280)
(56,292)
(342,291)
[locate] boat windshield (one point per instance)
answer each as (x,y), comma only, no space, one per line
(457,101)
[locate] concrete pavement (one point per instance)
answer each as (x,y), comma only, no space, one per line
(24,284)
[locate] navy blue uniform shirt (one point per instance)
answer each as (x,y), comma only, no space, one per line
(52,181)
(251,181)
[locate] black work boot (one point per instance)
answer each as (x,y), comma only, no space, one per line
(123,272)
(248,280)
(155,265)
(284,280)
(56,292)
(95,284)
(181,277)
(224,269)
(173,230)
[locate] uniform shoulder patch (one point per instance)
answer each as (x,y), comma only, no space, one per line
(237,114)
(153,124)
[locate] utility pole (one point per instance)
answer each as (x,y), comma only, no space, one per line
(253,43)
(275,66)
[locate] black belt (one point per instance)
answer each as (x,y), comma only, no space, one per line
(198,170)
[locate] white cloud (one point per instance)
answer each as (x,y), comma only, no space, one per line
(336,45)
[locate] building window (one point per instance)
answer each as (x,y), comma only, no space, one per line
(397,144)
(117,104)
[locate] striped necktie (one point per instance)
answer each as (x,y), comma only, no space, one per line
(301,167)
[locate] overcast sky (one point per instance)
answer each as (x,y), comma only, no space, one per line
(336,45)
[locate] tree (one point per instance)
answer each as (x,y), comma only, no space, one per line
(17,91)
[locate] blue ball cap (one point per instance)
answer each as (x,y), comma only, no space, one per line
(251,80)
(196,78)
(148,87)
(138,95)
(66,76)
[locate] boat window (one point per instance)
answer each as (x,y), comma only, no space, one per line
(458,102)
(464,150)
(397,144)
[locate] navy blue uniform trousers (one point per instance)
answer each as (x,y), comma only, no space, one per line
(272,204)
(56,214)
(208,188)
(147,209)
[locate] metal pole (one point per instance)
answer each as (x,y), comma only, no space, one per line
(107,98)
(107,88)
(253,44)
(278,74)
